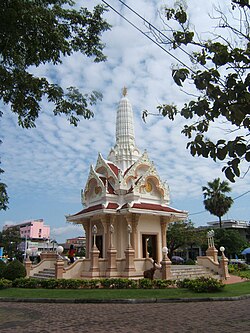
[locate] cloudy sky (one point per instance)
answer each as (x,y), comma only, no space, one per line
(46,167)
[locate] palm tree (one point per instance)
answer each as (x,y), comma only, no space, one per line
(215,200)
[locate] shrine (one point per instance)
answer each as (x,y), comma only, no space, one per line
(126,208)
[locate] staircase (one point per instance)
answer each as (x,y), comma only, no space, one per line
(180,272)
(47,273)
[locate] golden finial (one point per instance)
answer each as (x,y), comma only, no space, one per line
(124,91)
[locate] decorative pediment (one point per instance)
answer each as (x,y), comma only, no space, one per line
(95,186)
(151,184)
(142,178)
(106,169)
(138,168)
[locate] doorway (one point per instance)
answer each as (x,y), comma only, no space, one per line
(149,244)
(99,244)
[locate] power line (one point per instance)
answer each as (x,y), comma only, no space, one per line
(241,195)
(155,42)
(204,211)
(156,29)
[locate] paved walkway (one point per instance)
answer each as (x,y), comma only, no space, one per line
(202,317)
(234,279)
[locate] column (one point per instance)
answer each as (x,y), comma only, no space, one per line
(86,226)
(163,231)
(59,268)
(166,264)
(129,255)
(224,264)
(111,254)
(135,220)
(94,255)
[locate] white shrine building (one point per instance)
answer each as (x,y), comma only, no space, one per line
(126,208)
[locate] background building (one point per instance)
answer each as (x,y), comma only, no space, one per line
(34,234)
(79,244)
(243,227)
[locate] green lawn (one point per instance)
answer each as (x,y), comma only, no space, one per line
(231,290)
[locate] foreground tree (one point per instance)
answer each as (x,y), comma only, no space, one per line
(215,200)
(36,32)
(219,72)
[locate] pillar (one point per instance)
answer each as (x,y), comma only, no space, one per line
(163,232)
(28,265)
(166,265)
(86,226)
(224,264)
(59,268)
(212,252)
(94,266)
(129,255)
(111,253)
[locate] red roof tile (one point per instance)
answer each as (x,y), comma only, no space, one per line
(111,205)
(110,188)
(149,206)
(103,179)
(89,209)
(114,168)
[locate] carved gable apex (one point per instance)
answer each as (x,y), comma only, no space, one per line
(95,186)
(106,169)
(140,166)
(148,182)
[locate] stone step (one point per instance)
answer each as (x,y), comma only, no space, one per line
(47,273)
(187,272)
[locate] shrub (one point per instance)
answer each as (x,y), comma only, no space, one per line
(162,284)
(50,283)
(237,268)
(2,267)
(205,284)
(13,270)
(119,283)
(70,284)
(4,283)
(245,274)
(26,283)
(183,283)
(93,284)
(146,284)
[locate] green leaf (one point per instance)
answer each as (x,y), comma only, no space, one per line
(180,75)
(235,165)
(240,149)
(247,156)
(229,174)
(221,153)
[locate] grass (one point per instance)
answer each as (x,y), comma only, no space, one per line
(230,290)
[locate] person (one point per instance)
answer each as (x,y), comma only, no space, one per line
(71,254)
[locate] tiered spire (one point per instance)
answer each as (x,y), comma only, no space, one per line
(125,152)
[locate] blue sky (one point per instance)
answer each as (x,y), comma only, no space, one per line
(46,167)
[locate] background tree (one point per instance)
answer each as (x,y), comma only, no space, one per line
(219,73)
(196,237)
(232,241)
(3,194)
(179,235)
(36,32)
(10,240)
(215,200)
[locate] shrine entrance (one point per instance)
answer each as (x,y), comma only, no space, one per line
(149,246)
